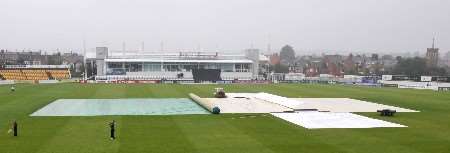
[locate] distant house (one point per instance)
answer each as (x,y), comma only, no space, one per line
(274,59)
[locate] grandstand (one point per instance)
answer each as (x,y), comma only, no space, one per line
(35,72)
(179,66)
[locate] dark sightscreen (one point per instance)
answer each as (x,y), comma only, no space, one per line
(200,75)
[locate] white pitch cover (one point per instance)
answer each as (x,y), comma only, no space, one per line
(283,101)
(318,120)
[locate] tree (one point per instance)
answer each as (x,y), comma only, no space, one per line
(287,55)
(410,66)
(350,66)
(279,68)
(55,59)
(417,66)
(20,60)
(439,71)
(374,57)
(398,58)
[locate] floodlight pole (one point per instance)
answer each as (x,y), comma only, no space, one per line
(84,59)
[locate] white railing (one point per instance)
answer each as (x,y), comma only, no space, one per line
(37,66)
(6,82)
(417,85)
(142,77)
(175,55)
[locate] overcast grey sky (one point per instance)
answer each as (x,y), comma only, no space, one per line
(347,25)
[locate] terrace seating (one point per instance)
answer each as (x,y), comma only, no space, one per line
(12,75)
(59,74)
(34,74)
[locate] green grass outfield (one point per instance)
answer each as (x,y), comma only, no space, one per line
(428,131)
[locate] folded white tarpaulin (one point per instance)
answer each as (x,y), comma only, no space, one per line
(345,105)
(290,103)
(317,120)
